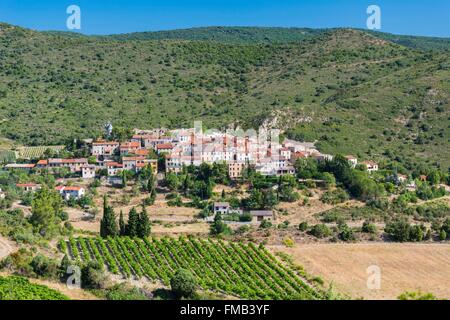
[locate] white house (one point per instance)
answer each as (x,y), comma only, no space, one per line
(88,171)
(371,166)
(352,160)
(70,192)
(221,207)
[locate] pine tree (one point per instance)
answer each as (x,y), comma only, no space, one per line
(144,227)
(108,225)
(223,193)
(122,225)
(124,179)
(133,223)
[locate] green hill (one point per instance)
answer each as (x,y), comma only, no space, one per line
(351,90)
(271,35)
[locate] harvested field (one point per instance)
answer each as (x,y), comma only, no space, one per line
(404,267)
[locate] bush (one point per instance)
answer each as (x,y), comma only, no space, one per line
(335,197)
(303,226)
(92,276)
(346,233)
(321,231)
(368,227)
(44,266)
(288,242)
(265,224)
(183,284)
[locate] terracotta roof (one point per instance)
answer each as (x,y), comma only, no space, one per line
(24,185)
(131,144)
(141,152)
(164,146)
(42,162)
(114,164)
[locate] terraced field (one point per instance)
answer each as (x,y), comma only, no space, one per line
(246,271)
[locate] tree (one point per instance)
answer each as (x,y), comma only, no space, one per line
(108,225)
(442,235)
(172,181)
(399,230)
(218,226)
(321,231)
(144,226)
(122,225)
(124,179)
(45,207)
(133,223)
(183,284)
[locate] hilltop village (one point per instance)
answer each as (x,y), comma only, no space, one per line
(231,183)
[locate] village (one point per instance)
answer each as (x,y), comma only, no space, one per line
(178,149)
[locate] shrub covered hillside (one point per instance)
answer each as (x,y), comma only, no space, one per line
(353,92)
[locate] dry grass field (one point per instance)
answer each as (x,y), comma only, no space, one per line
(404,267)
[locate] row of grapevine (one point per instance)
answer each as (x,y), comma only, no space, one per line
(36,152)
(238,269)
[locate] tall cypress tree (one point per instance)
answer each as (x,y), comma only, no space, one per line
(144,227)
(108,225)
(133,223)
(122,225)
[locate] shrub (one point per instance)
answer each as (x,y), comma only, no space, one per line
(288,242)
(183,284)
(321,231)
(368,227)
(303,226)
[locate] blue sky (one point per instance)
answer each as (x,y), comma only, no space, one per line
(414,17)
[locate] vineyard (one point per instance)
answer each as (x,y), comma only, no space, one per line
(246,271)
(7,156)
(18,288)
(36,152)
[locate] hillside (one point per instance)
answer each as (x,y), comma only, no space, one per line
(352,91)
(271,35)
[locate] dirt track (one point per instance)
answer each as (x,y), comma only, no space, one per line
(6,247)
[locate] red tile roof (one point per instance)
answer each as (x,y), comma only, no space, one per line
(164,146)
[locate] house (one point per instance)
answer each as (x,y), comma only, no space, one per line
(28,187)
(42,164)
(235,169)
(129,147)
(411,186)
(114,168)
(286,153)
(74,165)
(285,170)
(221,207)
(164,147)
(88,172)
(352,160)
(70,192)
(401,178)
(138,163)
(104,148)
(261,215)
(20,166)
(371,166)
